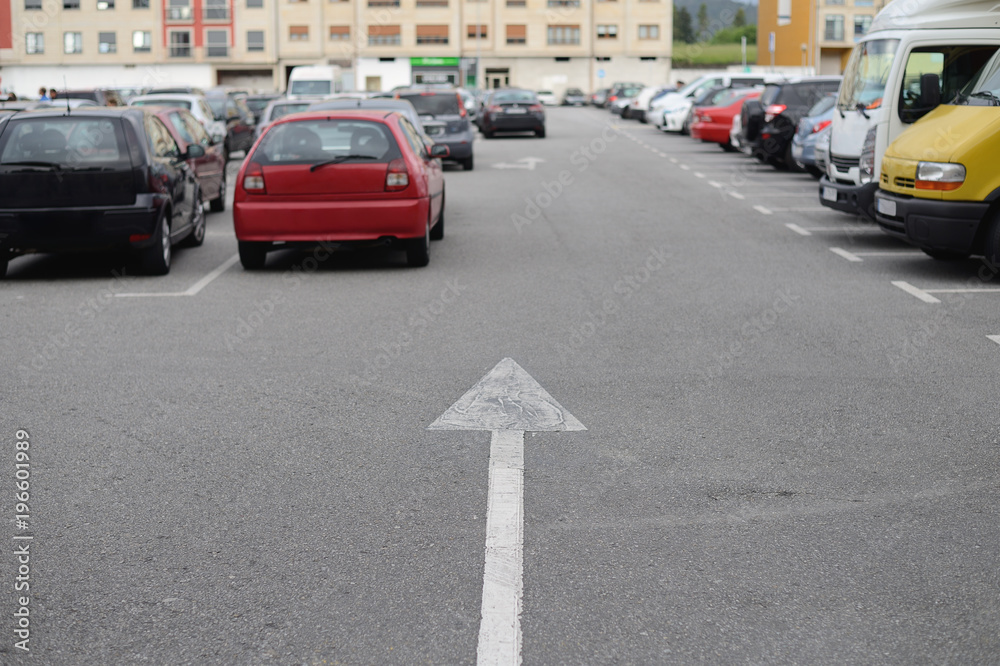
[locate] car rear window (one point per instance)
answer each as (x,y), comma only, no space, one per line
(68,141)
(180,103)
(805,94)
(320,140)
(434,103)
(514,96)
(282,110)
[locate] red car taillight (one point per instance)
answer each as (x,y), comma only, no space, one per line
(397,178)
(461,106)
(495,109)
(819,127)
(535,107)
(613,98)
(773,110)
(158,183)
(253,179)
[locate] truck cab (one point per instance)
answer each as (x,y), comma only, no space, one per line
(915,56)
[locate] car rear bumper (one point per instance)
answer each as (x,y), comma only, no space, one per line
(712,132)
(459,145)
(935,225)
(258,219)
(852,199)
(514,123)
(78,229)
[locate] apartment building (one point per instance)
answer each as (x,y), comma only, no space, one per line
(817,35)
(379,44)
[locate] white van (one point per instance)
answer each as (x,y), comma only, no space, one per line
(916,54)
(307,81)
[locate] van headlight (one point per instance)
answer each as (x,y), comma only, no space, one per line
(940,176)
(866,164)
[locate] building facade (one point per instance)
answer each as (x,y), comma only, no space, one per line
(816,35)
(379,44)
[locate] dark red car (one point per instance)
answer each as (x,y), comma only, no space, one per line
(714,123)
(209,169)
(338,178)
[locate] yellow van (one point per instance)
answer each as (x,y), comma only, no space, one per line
(940,183)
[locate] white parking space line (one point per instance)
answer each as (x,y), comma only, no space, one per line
(848,229)
(914,291)
(892,253)
(994,338)
(840,252)
(799,230)
(674,160)
(762,209)
(685,167)
(698,175)
(194,289)
(962,291)
(735,195)
(661,154)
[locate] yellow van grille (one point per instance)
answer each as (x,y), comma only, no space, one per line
(906,183)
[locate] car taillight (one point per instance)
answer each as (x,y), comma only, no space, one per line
(494,109)
(158,183)
(820,126)
(461,106)
(396,176)
(773,110)
(253,179)
(613,98)
(535,107)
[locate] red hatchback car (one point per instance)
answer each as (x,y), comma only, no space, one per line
(339,178)
(210,168)
(713,123)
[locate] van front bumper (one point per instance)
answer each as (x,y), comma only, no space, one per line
(852,199)
(933,225)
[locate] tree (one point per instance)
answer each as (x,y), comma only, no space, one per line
(703,33)
(740,19)
(683,32)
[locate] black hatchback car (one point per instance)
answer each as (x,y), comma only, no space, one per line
(93,180)
(513,110)
(770,121)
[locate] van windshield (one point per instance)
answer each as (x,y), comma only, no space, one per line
(866,74)
(312,88)
(984,88)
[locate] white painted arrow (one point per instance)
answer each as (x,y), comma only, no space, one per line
(509,402)
(523,163)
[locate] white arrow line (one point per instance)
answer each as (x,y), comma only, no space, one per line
(508,401)
(523,163)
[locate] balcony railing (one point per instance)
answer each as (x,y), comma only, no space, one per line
(179,13)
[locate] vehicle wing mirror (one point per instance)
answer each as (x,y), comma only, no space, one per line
(930,91)
(440,150)
(194,151)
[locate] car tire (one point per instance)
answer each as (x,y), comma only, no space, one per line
(540,133)
(197,236)
(155,259)
(945,255)
(253,254)
(437,231)
(418,251)
(488,134)
(218,204)
(467,163)
(729,147)
(4,263)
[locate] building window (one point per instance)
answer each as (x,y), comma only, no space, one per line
(140,4)
(32,5)
(107,42)
(180,43)
(216,43)
(834,2)
(649,32)
(564,3)
(516,34)
(474,29)
(432,34)
(298,33)
(71,4)
(516,3)
(72,42)
(255,4)
(564,34)
(216,10)
(34,43)
(383,35)
(142,41)
(340,32)
(861,25)
(255,40)
(105,4)
(179,10)
(834,28)
(864,3)
(432,3)
(383,3)
(607,32)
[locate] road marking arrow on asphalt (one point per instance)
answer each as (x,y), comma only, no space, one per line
(523,163)
(507,401)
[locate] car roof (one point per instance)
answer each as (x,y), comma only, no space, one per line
(339,114)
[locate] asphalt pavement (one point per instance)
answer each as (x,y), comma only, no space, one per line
(790,456)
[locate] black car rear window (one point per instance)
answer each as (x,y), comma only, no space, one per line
(525,96)
(433,103)
(322,139)
(67,141)
(803,95)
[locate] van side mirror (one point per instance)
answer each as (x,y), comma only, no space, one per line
(930,91)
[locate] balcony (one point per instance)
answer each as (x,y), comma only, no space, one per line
(179,14)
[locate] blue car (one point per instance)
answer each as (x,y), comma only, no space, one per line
(815,121)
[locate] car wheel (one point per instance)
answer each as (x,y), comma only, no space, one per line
(488,134)
(253,254)
(218,204)
(197,235)
(4,262)
(467,163)
(437,231)
(945,255)
(540,133)
(418,250)
(729,147)
(155,259)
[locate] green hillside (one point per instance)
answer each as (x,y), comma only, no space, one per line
(720,14)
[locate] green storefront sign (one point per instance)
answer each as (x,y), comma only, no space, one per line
(434,62)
